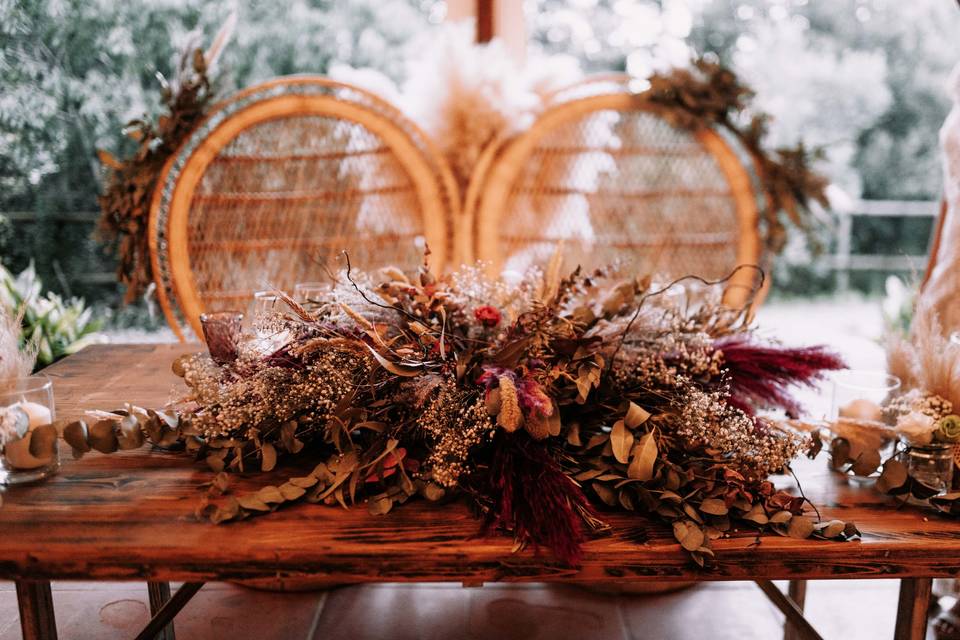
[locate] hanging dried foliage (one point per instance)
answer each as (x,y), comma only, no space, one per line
(710,95)
(130,183)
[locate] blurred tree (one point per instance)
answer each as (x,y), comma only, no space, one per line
(72,72)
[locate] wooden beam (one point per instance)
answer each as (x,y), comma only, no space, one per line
(485,20)
(912,609)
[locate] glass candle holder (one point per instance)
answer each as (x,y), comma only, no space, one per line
(28,440)
(221,332)
(931,464)
(857,412)
(310,293)
(267,318)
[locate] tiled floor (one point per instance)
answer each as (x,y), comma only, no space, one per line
(853,610)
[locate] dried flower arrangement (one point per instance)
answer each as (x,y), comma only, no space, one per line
(928,364)
(542,403)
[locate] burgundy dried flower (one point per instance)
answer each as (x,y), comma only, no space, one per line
(487,316)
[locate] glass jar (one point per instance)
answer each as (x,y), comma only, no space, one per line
(857,415)
(931,464)
(309,294)
(28,440)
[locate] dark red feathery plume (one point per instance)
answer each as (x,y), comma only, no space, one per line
(535,499)
(760,376)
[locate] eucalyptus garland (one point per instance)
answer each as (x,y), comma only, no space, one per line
(544,403)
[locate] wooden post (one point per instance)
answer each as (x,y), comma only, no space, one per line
(485,10)
(37,621)
(912,609)
(159,593)
(797,591)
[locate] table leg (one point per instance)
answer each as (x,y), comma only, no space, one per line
(794,615)
(912,609)
(162,619)
(797,590)
(35,599)
(159,594)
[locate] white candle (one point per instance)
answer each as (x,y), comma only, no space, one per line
(862,409)
(38,414)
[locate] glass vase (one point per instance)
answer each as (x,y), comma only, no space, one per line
(857,415)
(221,332)
(28,440)
(931,464)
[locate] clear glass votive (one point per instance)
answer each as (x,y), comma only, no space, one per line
(28,440)
(862,395)
(266,313)
(221,332)
(308,293)
(931,464)
(857,413)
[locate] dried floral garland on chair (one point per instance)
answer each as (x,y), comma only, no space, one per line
(524,398)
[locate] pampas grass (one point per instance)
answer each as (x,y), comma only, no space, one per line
(466,96)
(14,361)
(926,359)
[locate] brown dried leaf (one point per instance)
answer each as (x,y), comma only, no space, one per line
(644,457)
(622,440)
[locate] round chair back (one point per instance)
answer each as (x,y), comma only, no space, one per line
(282,178)
(615,182)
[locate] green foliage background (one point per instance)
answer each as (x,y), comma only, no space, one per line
(865,79)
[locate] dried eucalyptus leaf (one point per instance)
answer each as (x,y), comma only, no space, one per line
(830,529)
(43,441)
(605,493)
(290,491)
(867,462)
(781,517)
(270,494)
(573,435)
(75,434)
(130,436)
(622,440)
(800,527)
(714,507)
(636,415)
(102,436)
(268,457)
(228,511)
(756,515)
(893,476)
(380,505)
(252,502)
(839,453)
(644,457)
(693,539)
(433,492)
(304,482)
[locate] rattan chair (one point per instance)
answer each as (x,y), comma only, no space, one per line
(603,172)
(278,181)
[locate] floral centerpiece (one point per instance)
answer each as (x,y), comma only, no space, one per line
(543,403)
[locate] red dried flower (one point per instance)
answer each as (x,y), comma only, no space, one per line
(487,316)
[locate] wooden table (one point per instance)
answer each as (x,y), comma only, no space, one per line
(130,516)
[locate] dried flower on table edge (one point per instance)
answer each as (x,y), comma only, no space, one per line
(600,394)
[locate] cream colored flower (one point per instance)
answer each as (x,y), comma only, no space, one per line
(916,428)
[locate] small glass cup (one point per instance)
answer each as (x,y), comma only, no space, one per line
(266,312)
(931,464)
(28,440)
(857,412)
(310,293)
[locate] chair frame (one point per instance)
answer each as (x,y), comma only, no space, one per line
(276,99)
